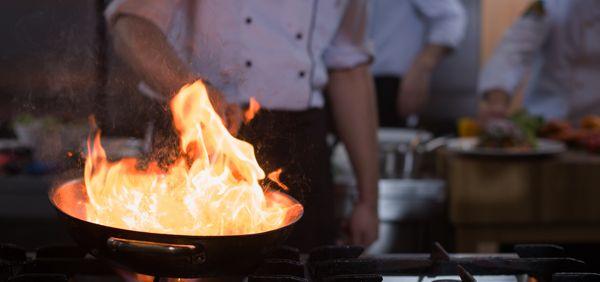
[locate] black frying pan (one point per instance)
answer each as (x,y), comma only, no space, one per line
(165,255)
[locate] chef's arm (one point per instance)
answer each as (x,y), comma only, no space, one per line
(352,100)
(414,89)
(505,75)
(353,105)
(446,21)
(145,48)
(508,67)
(430,56)
(351,93)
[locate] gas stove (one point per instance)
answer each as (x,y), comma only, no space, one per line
(328,263)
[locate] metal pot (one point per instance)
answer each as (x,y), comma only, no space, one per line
(410,199)
(409,212)
(165,255)
(401,151)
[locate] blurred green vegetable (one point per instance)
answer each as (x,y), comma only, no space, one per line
(529,125)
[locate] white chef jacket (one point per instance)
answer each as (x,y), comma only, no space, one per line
(400,28)
(563,50)
(275,51)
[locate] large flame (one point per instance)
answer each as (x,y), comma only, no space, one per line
(212,189)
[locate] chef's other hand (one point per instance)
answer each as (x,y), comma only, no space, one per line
(364,225)
(494,105)
(413,91)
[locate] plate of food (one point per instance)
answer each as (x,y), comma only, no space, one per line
(471,146)
(516,136)
(583,136)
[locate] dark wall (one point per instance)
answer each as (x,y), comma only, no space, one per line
(47,56)
(49,64)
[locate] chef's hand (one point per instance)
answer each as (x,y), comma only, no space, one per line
(413,91)
(494,105)
(230,113)
(364,224)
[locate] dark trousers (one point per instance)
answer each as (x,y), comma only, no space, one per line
(296,142)
(387,97)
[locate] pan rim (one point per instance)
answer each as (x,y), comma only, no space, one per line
(52,191)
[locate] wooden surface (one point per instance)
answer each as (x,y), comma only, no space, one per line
(496,17)
(571,190)
(533,199)
(484,190)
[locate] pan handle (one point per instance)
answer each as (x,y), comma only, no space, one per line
(195,253)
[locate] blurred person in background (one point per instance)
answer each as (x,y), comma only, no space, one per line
(548,62)
(411,38)
(284,54)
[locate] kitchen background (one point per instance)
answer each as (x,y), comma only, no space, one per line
(55,59)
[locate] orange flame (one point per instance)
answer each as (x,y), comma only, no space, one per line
(253,108)
(275,176)
(212,189)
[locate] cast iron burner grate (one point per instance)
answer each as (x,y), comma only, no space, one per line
(546,263)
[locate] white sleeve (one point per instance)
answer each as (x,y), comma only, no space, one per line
(159,12)
(514,55)
(350,46)
(446,20)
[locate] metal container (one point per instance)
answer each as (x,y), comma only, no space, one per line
(408,205)
(401,152)
(410,199)
(410,211)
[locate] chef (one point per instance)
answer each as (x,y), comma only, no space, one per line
(552,53)
(285,54)
(411,38)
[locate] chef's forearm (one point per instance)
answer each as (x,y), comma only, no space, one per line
(147,51)
(353,103)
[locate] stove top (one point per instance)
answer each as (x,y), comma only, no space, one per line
(328,263)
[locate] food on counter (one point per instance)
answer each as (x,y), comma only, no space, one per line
(591,142)
(587,136)
(564,131)
(517,132)
(502,133)
(591,122)
(468,127)
(521,131)
(529,124)
(558,130)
